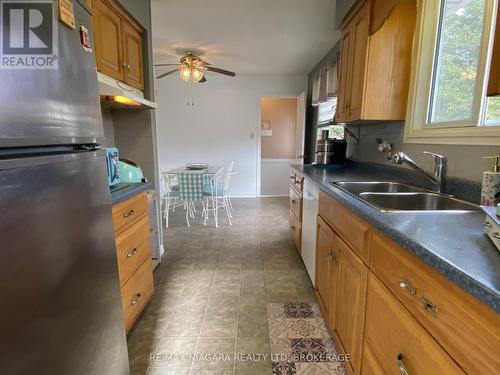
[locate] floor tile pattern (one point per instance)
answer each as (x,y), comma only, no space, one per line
(208,314)
(299,341)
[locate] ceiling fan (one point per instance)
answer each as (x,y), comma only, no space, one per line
(193,67)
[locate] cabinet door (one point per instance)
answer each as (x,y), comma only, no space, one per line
(325,242)
(350,302)
(398,343)
(344,79)
(359,43)
(108,40)
(132,56)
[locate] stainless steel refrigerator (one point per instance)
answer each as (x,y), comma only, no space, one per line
(60,307)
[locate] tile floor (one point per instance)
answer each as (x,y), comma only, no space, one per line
(212,289)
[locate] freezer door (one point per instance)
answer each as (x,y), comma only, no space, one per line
(60,299)
(53,106)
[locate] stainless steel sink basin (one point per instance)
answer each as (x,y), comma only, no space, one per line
(416,202)
(357,188)
(400,197)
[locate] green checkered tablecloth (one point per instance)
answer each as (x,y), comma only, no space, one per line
(191,182)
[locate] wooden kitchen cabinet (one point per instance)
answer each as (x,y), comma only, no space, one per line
(108,39)
(376,64)
(295,223)
(118,43)
(133,252)
(350,292)
(399,343)
(326,255)
(132,56)
(384,301)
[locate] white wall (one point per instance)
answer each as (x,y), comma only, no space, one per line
(217,128)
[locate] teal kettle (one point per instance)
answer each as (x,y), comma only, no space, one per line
(130,172)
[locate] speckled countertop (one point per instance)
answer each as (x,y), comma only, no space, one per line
(453,244)
(123,192)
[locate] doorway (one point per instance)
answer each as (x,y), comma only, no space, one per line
(281,142)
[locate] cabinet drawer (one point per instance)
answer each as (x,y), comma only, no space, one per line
(133,247)
(295,203)
(129,212)
(398,341)
(353,230)
(296,230)
(467,329)
(136,293)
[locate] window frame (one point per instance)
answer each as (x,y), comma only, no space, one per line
(418,128)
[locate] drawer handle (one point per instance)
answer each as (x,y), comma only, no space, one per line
(401,365)
(128,214)
(428,305)
(136,299)
(487,224)
(496,235)
(406,285)
(132,253)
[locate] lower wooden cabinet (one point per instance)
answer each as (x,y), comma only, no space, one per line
(133,252)
(350,302)
(136,292)
(399,343)
(391,312)
(295,205)
(325,272)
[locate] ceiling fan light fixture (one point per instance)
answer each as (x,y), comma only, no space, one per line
(197,75)
(185,73)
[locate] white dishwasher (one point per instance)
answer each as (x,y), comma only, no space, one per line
(309,219)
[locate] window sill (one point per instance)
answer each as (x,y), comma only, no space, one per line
(481,136)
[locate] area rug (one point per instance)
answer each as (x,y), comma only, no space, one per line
(299,341)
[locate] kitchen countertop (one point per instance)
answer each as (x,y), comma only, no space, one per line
(453,244)
(123,192)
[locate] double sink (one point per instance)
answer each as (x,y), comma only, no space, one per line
(400,197)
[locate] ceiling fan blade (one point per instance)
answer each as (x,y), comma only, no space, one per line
(167,64)
(220,71)
(204,79)
(166,74)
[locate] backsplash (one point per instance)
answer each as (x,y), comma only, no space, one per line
(464,162)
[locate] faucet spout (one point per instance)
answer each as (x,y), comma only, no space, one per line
(439,176)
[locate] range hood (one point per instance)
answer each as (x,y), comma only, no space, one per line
(116,94)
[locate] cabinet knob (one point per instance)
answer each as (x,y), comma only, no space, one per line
(132,253)
(136,299)
(330,256)
(292,228)
(293,201)
(128,214)
(401,365)
(128,66)
(406,285)
(428,305)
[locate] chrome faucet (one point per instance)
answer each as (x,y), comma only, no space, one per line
(440,163)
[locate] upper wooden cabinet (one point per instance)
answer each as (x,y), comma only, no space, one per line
(118,44)
(376,62)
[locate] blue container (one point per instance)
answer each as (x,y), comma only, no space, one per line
(112,161)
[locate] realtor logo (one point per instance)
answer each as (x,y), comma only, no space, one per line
(28,35)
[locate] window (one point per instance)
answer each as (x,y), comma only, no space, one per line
(449,76)
(326,111)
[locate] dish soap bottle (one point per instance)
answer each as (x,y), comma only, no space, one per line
(490,191)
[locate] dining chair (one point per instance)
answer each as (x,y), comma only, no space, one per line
(215,197)
(229,174)
(169,195)
(191,192)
